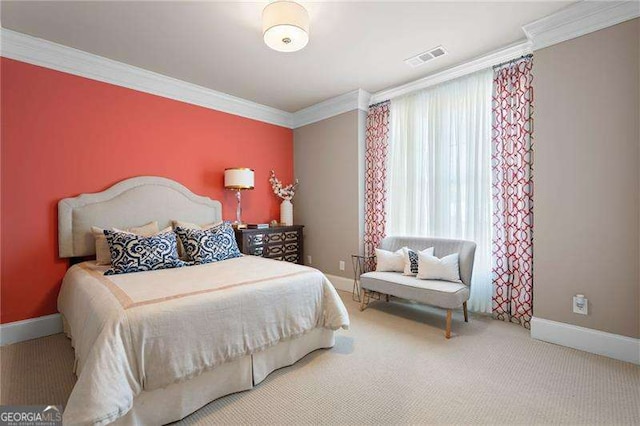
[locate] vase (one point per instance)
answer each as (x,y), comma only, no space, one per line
(286,213)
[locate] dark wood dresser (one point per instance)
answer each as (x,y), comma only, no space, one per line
(281,242)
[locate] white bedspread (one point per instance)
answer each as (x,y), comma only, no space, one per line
(147,330)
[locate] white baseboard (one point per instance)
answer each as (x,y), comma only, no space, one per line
(28,329)
(586,339)
(341,283)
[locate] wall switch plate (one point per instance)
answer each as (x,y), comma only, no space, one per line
(342,265)
(309,261)
(580,305)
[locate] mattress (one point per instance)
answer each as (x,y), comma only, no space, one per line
(148,330)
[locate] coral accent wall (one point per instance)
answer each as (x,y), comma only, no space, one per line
(63,135)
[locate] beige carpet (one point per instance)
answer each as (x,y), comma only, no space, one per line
(393,366)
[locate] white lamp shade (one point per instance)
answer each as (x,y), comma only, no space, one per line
(285,26)
(238,178)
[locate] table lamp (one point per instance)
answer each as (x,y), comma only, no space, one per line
(238,179)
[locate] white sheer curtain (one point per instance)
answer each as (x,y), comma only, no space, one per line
(439,170)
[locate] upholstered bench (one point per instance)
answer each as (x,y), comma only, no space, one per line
(443,294)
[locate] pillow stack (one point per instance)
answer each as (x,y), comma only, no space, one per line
(146,248)
(421,264)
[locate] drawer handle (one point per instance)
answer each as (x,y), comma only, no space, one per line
(291,236)
(275,250)
(257,239)
(274,238)
(291,247)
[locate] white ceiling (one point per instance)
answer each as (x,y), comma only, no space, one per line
(219,45)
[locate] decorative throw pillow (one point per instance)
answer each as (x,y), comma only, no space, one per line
(103,255)
(135,253)
(390,261)
(189,225)
(209,245)
(432,268)
(411,260)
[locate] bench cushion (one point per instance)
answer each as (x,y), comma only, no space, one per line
(443,294)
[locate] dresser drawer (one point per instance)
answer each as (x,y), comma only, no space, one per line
(255,239)
(275,250)
(255,251)
(291,236)
(291,247)
(275,238)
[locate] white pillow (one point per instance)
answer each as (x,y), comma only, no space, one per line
(189,225)
(389,261)
(445,269)
(411,260)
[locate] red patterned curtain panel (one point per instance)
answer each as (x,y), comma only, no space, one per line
(376,151)
(512,192)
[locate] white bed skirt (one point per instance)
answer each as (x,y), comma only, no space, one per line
(170,404)
(288,352)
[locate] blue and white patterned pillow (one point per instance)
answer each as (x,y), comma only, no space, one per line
(209,245)
(411,260)
(135,253)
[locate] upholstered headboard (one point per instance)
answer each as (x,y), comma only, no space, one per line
(131,202)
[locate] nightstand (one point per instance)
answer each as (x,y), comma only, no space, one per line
(280,243)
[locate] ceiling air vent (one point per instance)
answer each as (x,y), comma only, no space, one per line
(424,57)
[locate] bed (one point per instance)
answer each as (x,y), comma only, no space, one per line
(153,347)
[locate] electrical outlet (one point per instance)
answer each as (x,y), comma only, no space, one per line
(341,265)
(580,304)
(309,261)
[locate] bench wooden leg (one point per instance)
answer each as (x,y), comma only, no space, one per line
(387,297)
(447,333)
(466,315)
(363,296)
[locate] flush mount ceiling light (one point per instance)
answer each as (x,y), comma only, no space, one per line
(285,25)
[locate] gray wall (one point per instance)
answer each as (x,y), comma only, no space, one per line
(587,180)
(328,160)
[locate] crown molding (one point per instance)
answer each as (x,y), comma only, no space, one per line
(357,99)
(573,21)
(505,54)
(36,51)
(579,19)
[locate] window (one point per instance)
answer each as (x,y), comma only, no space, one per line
(439,170)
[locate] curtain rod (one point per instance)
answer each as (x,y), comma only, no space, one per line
(530,55)
(380,103)
(403,93)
